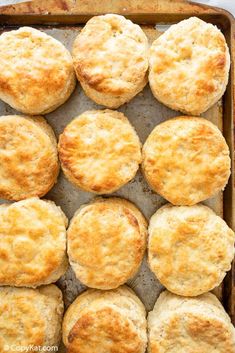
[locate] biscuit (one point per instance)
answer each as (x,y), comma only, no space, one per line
(186,160)
(36,71)
(179,324)
(190,248)
(30,317)
(100,151)
(28,157)
(106,242)
(105,321)
(32,243)
(110,58)
(189,66)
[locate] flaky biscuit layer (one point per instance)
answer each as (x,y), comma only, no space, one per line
(186,160)
(30,317)
(200,324)
(32,243)
(189,66)
(36,71)
(190,248)
(106,242)
(110,57)
(29,163)
(100,151)
(105,321)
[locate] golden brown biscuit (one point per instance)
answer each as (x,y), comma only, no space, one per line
(36,71)
(105,321)
(28,157)
(190,248)
(189,66)
(32,243)
(186,160)
(100,151)
(106,242)
(30,318)
(180,325)
(110,57)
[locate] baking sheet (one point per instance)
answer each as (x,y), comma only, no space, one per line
(144,112)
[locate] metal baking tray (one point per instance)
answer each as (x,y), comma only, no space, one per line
(144,112)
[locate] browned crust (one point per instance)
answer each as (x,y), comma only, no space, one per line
(30,316)
(120,148)
(110,325)
(123,255)
(106,39)
(27,171)
(168,173)
(47,80)
(39,257)
(109,321)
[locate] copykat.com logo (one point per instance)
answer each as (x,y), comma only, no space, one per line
(30,348)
